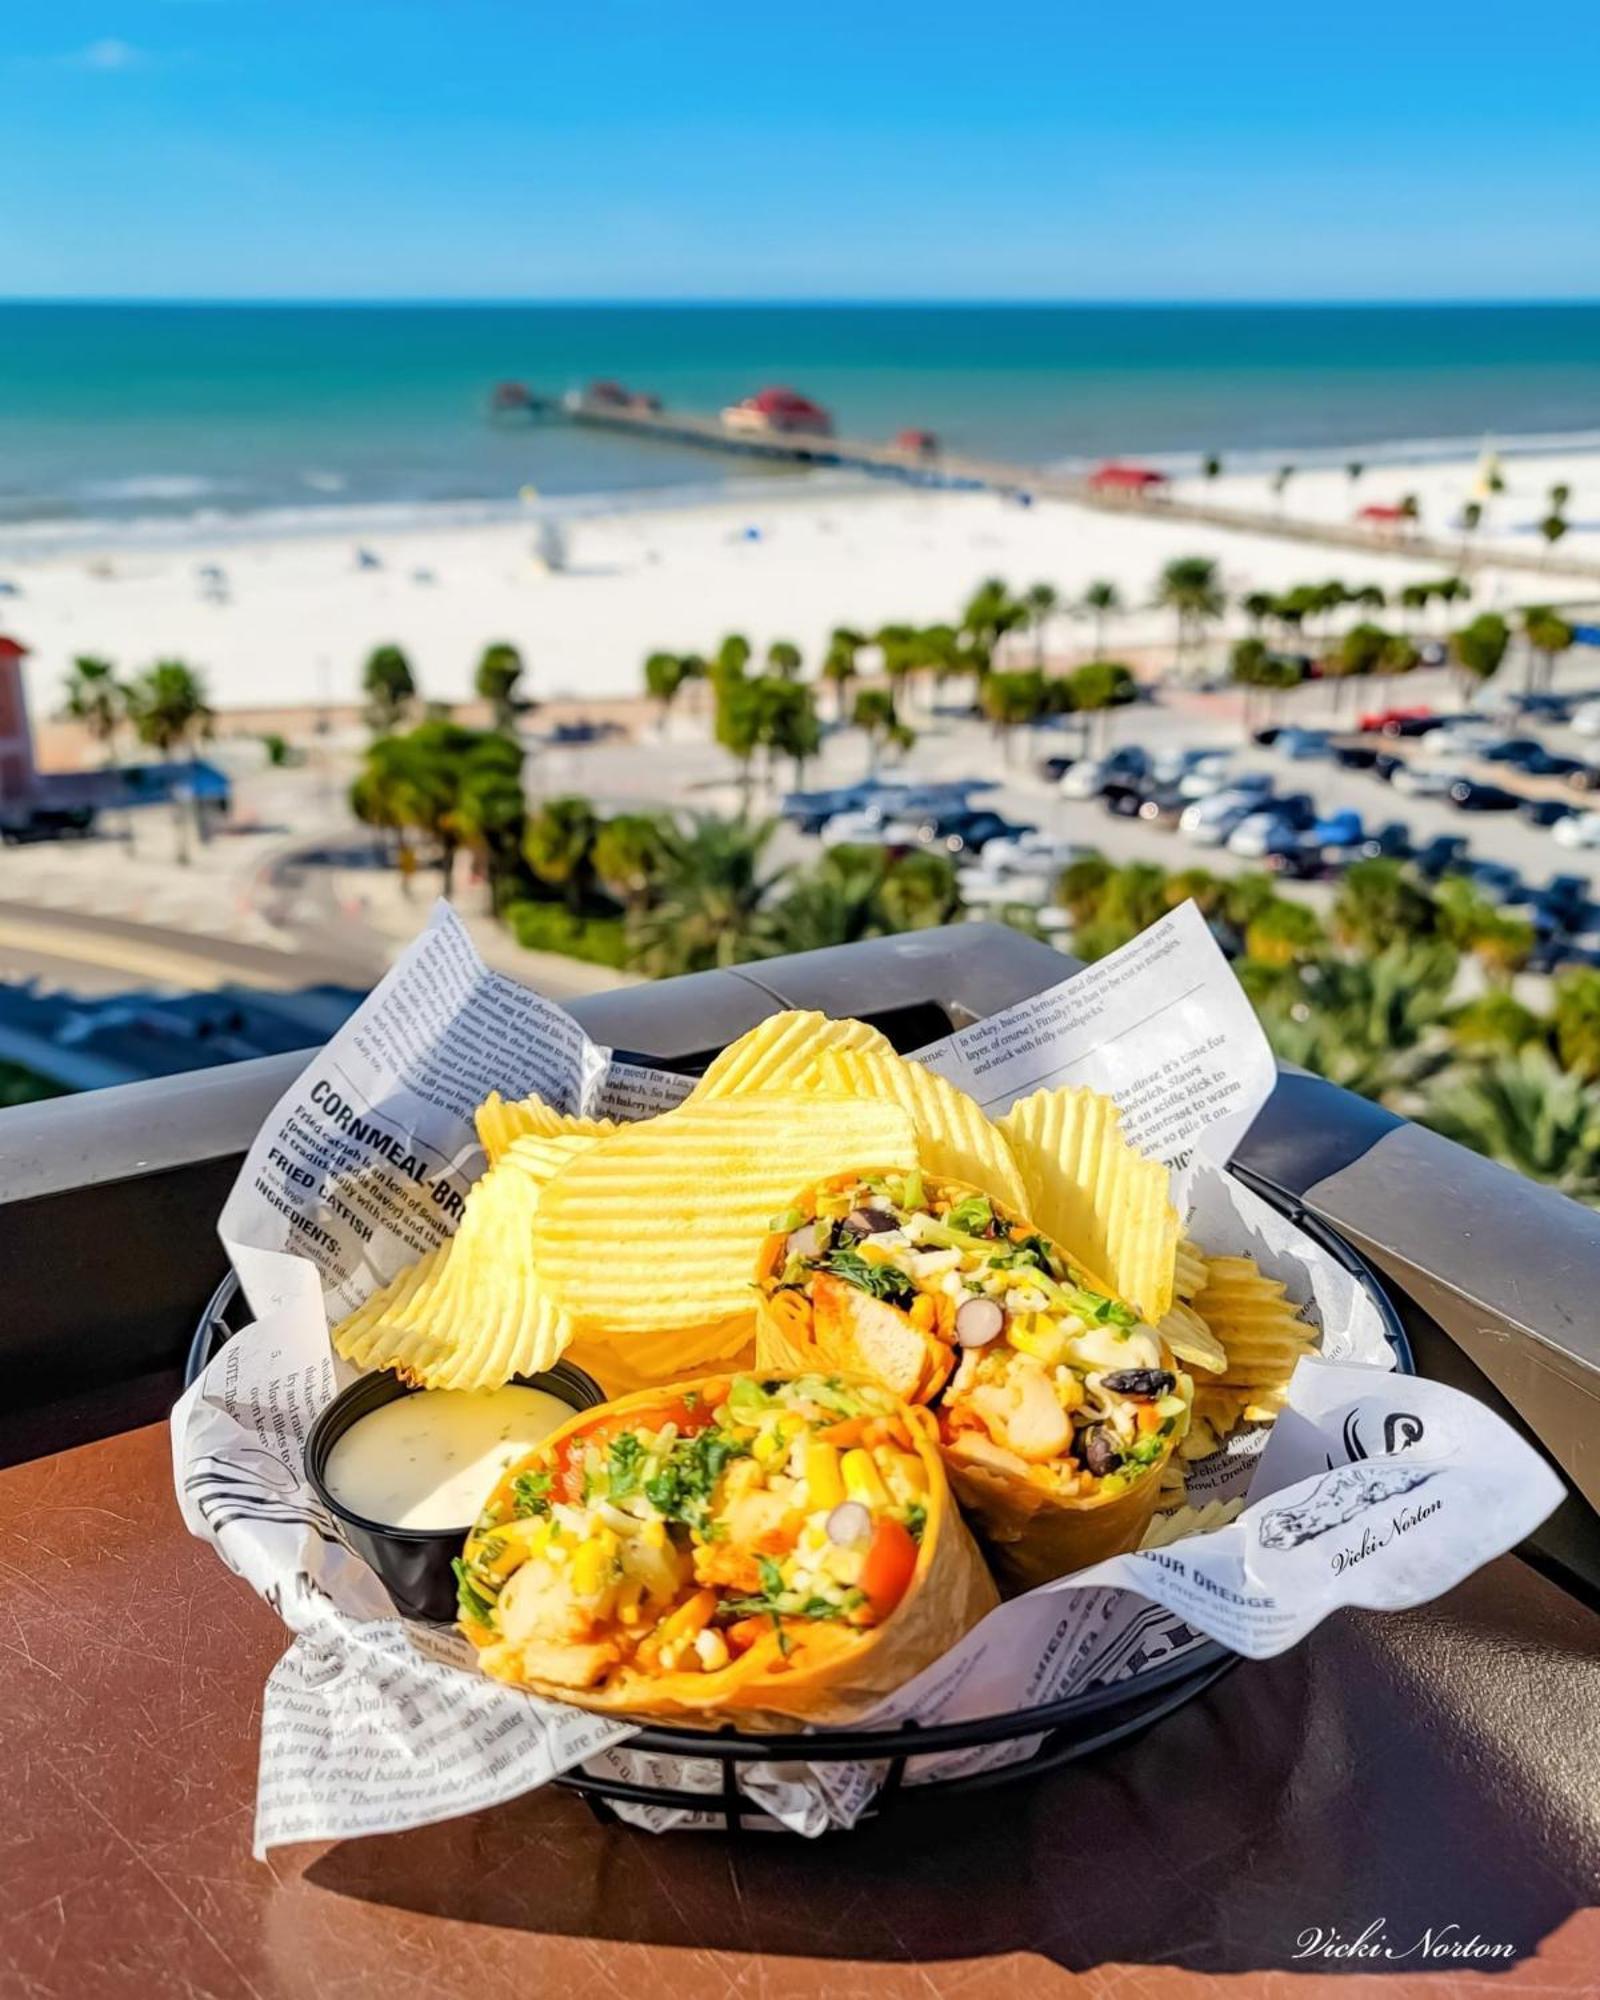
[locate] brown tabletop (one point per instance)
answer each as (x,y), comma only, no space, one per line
(1436,1769)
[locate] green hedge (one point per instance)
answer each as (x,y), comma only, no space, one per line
(553,927)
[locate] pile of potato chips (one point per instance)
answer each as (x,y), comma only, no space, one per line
(632,1248)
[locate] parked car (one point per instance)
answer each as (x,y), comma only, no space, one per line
(1268,736)
(1304,745)
(1439,854)
(1577,830)
(1556,954)
(1338,829)
(1563,905)
(1391,842)
(1465,736)
(1547,707)
(1469,796)
(1424,781)
(1210,822)
(1297,859)
(1090,775)
(1209,772)
(1027,853)
(1398,722)
(1356,756)
(1054,769)
(1262,833)
(1523,754)
(853,829)
(1545,812)
(1168,766)
(1163,805)
(1121,800)
(968,832)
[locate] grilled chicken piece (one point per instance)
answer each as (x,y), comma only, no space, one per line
(869,1336)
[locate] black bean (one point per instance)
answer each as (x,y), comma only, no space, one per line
(1100,1454)
(1138,1382)
(869,1222)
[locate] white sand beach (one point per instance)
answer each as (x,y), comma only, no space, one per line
(291,617)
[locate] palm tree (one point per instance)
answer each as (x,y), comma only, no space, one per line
(731,658)
(1280,482)
(1372,1024)
(628,853)
(1012,701)
(874,715)
(168,708)
(1479,648)
(784,659)
(487,810)
(664,676)
(389,686)
(839,666)
(1529,1114)
(990,613)
(1099,686)
(1210,467)
(1552,527)
(1575,1016)
(97,701)
(1102,601)
(786,722)
(1043,601)
(1415,597)
(499,671)
(1353,472)
(1560,494)
(1410,509)
(920,892)
(1189,586)
(1546,633)
(558,844)
(710,906)
(1258,606)
(1471,521)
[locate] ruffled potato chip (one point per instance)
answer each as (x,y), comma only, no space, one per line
(656,1227)
(1189,1269)
(1260,1329)
(1107,1205)
(955,1138)
(1187,1334)
(782,1054)
(499,1122)
(1178,1523)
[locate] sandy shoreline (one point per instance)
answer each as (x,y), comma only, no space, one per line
(790,562)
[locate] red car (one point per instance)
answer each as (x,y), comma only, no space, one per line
(1392,721)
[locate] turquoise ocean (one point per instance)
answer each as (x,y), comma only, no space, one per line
(233,416)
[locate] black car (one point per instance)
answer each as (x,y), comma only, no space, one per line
(1122,801)
(969,832)
(1054,769)
(1163,805)
(1471,797)
(1514,750)
(1555,954)
(1526,755)
(1358,756)
(1298,811)
(1413,725)
(1303,862)
(1548,707)
(1439,854)
(1545,812)
(1385,764)
(1390,842)
(1268,736)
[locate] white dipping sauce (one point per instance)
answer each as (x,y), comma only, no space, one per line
(430,1460)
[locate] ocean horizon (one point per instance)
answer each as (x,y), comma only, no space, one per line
(229,417)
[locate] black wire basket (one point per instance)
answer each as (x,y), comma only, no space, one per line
(1166,1667)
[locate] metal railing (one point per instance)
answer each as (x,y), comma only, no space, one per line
(108,1200)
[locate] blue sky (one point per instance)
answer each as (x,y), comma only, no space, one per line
(875,149)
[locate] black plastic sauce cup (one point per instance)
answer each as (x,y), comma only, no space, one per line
(413,1564)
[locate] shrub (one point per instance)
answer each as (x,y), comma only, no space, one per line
(553,927)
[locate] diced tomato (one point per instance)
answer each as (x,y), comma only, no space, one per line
(890,1564)
(744,1632)
(849,1430)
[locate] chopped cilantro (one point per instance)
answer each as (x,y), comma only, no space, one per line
(531,1494)
(880,1281)
(916,1520)
(627,1452)
(681,1490)
(780,1603)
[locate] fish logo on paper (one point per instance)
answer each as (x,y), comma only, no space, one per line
(1400,1431)
(1336,1501)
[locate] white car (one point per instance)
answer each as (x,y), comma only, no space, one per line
(851,828)
(1254,835)
(1586,718)
(1028,853)
(1210,821)
(1209,773)
(1087,779)
(1463,739)
(1424,781)
(982,886)
(1578,830)
(1168,767)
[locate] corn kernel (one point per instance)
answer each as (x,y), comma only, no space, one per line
(861,1480)
(824,1485)
(1038,1335)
